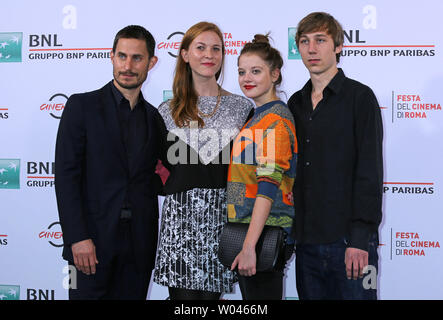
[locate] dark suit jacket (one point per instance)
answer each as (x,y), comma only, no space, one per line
(92,177)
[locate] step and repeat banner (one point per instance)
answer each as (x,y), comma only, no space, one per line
(50,50)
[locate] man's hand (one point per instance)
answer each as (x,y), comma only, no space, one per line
(84,256)
(355,260)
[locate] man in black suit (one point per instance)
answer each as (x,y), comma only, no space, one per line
(105,180)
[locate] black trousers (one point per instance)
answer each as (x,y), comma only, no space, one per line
(266,285)
(262,286)
(186,294)
(118,280)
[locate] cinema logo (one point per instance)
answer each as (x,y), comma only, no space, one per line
(421,188)
(405,243)
(55,105)
(40,174)
(412,106)
(233,46)
(173,42)
(50,47)
(53,235)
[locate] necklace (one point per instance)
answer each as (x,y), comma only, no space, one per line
(207,115)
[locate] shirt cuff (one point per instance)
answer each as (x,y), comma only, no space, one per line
(267,190)
(359,238)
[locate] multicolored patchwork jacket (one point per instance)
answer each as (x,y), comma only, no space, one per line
(263,163)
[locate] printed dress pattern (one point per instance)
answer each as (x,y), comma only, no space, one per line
(192,220)
(191,224)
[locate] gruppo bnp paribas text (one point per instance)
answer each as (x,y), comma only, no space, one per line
(49,47)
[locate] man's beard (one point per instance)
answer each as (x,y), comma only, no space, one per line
(129,86)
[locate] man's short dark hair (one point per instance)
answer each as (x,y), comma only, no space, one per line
(136,32)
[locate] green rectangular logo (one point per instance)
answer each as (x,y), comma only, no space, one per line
(293,53)
(11,46)
(8,292)
(9,173)
(167,94)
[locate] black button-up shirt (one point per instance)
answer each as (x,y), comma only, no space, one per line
(133,127)
(339,181)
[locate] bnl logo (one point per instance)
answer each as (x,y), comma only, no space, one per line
(39,294)
(293,52)
(167,94)
(11,46)
(8,292)
(12,292)
(9,173)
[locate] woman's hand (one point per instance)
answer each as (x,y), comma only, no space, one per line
(246,262)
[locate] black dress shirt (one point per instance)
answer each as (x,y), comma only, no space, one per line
(133,127)
(339,180)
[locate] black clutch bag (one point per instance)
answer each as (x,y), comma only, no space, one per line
(268,249)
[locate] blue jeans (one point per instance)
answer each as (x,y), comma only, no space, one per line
(321,273)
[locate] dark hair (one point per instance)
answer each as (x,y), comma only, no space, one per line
(321,21)
(260,45)
(136,32)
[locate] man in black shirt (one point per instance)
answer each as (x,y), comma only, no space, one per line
(338,188)
(105,181)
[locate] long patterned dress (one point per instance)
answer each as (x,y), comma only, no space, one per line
(194,214)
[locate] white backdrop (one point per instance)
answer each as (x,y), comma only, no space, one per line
(52,49)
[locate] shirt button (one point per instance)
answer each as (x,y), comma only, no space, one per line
(308,140)
(310,118)
(308,163)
